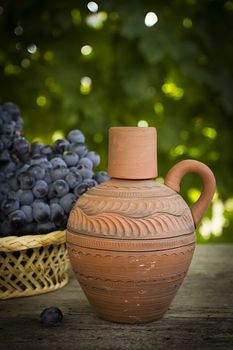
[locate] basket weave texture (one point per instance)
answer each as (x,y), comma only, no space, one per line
(31,265)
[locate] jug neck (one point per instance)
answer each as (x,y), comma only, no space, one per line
(132,153)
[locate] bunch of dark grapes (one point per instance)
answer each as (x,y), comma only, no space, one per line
(40,183)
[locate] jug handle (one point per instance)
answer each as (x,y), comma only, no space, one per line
(175,175)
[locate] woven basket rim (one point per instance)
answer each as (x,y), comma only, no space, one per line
(14,243)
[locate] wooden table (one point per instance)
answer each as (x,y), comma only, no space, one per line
(200,317)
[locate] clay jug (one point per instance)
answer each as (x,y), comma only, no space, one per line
(131,239)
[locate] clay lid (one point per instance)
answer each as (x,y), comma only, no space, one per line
(132,153)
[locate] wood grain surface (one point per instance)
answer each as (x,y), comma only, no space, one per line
(200,317)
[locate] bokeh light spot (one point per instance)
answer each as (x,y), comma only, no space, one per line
(85,85)
(187,23)
(218,219)
(158,108)
(53,85)
(48,55)
(178,151)
(18,30)
(160,180)
(172,90)
(11,69)
(41,101)
(194,152)
(86,50)
(151,19)
(97,20)
(76,16)
(92,6)
(86,81)
(211,133)
(205,228)
(198,122)
(193,194)
(32,48)
(113,16)
(25,63)
(213,156)
(58,134)
(18,46)
(229,204)
(98,137)
(143,123)
(37,139)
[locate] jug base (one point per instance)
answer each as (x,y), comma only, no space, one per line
(130,319)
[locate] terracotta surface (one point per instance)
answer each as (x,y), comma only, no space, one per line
(132,153)
(176,174)
(131,241)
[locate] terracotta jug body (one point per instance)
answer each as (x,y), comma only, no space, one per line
(131,239)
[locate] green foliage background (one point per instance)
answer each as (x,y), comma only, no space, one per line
(177,75)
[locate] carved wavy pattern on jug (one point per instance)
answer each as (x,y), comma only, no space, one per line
(129,245)
(114,283)
(118,225)
(76,251)
(111,186)
(170,291)
(154,192)
(92,205)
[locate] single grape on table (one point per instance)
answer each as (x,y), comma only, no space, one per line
(51,316)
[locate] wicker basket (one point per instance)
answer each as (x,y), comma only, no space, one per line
(31,265)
